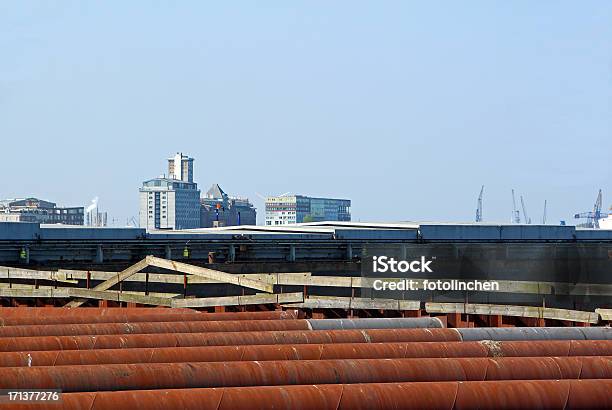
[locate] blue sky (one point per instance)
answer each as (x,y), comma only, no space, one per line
(406,108)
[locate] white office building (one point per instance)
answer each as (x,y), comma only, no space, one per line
(173,202)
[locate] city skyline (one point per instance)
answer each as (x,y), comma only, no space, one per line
(404,108)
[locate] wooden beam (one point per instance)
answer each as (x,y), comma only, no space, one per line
(303,279)
(107,284)
(333,302)
(210,274)
(605,314)
(18,273)
(174,278)
(50,292)
(511,310)
(259,299)
(121,297)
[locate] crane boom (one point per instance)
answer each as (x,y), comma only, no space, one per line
(479,206)
(527,219)
(516,216)
(595,215)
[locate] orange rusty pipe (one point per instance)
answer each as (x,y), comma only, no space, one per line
(212,326)
(14,312)
(152,327)
(303,372)
(243,353)
(226,339)
(128,316)
(503,395)
(298,352)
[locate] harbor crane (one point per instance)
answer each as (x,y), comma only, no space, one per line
(516,215)
(479,207)
(527,219)
(593,216)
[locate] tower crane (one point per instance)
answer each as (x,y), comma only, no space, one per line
(479,206)
(516,215)
(593,216)
(527,219)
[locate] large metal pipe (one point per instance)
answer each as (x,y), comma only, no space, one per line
(152,327)
(286,372)
(376,323)
(226,339)
(209,326)
(127,316)
(244,353)
(536,333)
(6,312)
(503,395)
(307,352)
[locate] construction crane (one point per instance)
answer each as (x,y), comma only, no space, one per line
(527,219)
(479,207)
(593,216)
(516,215)
(544,215)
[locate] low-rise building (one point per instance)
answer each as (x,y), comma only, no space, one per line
(291,209)
(40,211)
(219,209)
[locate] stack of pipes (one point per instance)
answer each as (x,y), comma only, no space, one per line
(178,358)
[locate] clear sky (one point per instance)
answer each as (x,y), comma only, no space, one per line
(406,108)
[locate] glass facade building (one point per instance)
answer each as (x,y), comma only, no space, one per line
(291,209)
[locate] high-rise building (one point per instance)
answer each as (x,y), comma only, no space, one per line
(38,210)
(173,202)
(180,167)
(291,209)
(219,209)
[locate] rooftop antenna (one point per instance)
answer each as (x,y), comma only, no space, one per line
(479,207)
(516,215)
(544,216)
(527,219)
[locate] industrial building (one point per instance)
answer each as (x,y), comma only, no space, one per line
(39,211)
(172,202)
(292,209)
(219,209)
(566,266)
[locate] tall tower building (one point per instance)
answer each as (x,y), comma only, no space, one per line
(180,167)
(173,202)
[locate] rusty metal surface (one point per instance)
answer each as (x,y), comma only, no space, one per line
(244,353)
(152,327)
(302,372)
(226,339)
(301,352)
(25,311)
(541,394)
(126,315)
